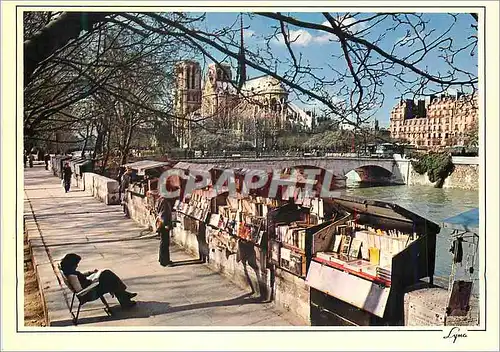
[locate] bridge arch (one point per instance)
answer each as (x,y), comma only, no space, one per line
(370,175)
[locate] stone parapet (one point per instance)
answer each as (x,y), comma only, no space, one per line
(246,268)
(105,189)
(427,307)
(463,177)
(292,294)
(139,209)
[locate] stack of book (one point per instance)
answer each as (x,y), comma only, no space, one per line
(384,273)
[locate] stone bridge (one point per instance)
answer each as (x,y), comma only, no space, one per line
(393,170)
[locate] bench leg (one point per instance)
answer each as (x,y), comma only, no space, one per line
(75,320)
(107,309)
(71,306)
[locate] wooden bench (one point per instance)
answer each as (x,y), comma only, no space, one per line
(88,294)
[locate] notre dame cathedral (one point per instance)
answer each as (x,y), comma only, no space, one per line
(259,104)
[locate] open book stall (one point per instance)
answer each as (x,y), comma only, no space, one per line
(289,227)
(382,248)
(145,175)
(218,232)
(240,219)
(192,211)
(142,195)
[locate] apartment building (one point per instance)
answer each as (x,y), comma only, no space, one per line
(436,121)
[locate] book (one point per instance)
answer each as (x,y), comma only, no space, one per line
(338,258)
(355,247)
(358,265)
(95,276)
(336,243)
(346,244)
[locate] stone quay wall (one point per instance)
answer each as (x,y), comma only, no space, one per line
(246,267)
(139,208)
(465,176)
(292,294)
(105,189)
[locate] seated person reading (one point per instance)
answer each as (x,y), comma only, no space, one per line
(109,282)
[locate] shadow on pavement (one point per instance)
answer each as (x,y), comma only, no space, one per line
(143,309)
(146,309)
(187,262)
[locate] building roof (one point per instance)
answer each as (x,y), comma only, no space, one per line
(267,84)
(144,165)
(305,119)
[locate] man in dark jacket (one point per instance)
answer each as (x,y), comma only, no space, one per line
(163,227)
(126,178)
(46,158)
(67,177)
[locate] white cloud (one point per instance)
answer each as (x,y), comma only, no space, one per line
(353,29)
(301,37)
(248,33)
(325,36)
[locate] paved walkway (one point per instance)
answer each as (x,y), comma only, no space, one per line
(188,294)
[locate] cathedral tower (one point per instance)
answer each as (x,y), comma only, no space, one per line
(187,98)
(188,84)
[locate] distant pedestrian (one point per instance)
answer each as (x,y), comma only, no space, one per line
(31,158)
(124,185)
(164,227)
(46,158)
(67,177)
(25,157)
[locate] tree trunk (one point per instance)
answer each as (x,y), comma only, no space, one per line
(106,154)
(126,146)
(88,133)
(98,143)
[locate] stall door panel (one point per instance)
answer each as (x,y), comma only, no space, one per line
(359,292)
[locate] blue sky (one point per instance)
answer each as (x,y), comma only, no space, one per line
(317,49)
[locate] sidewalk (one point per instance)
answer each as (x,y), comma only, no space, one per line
(187,294)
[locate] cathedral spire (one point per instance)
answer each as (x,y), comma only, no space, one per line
(241,59)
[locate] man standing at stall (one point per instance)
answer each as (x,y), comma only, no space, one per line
(124,184)
(46,158)
(163,227)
